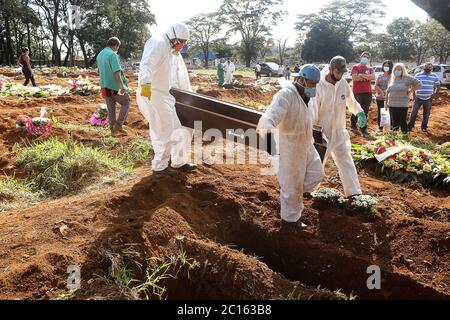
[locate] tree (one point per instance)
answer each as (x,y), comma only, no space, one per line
(420,41)
(17,19)
(322,44)
(351,18)
(267,45)
(253,19)
(281,46)
(204,29)
(401,46)
(439,39)
(126,19)
(222,48)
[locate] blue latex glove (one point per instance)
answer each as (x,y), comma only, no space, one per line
(362,120)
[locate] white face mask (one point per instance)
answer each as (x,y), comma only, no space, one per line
(386,69)
(398,73)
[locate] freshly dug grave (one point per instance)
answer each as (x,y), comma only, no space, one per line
(228,220)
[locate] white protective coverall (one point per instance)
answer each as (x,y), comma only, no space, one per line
(300,169)
(229,69)
(164,69)
(330,106)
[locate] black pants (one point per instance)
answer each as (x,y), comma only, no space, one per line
(398,119)
(365,100)
(28,77)
(380,105)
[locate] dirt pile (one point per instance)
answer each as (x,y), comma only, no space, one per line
(227,218)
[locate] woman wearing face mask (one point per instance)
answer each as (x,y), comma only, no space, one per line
(381,87)
(398,93)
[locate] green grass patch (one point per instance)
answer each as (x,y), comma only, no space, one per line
(58,168)
(14,192)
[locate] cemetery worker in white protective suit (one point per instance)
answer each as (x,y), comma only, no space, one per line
(300,168)
(333,97)
(161,68)
(230,69)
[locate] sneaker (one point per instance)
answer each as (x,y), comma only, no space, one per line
(380,130)
(188,167)
(425,130)
(121,130)
(114,132)
(365,133)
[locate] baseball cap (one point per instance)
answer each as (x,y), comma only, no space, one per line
(339,63)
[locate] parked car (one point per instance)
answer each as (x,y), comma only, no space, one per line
(269,69)
(441,70)
(378,72)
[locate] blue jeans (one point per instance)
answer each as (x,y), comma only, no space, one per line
(426,113)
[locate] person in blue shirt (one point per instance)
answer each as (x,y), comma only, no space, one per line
(424,96)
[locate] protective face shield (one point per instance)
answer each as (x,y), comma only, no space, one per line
(178,34)
(365,60)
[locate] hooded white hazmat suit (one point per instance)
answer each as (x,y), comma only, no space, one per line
(164,69)
(229,68)
(330,106)
(300,168)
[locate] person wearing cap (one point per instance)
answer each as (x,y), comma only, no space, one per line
(300,169)
(333,97)
(162,67)
(362,75)
(114,85)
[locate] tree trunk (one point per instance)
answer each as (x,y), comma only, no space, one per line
(83,50)
(9,48)
(55,50)
(206,54)
(29,39)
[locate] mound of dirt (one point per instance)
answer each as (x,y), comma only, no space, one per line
(227,218)
(228,221)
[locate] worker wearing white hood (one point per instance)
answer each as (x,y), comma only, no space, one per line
(333,97)
(230,69)
(161,68)
(300,169)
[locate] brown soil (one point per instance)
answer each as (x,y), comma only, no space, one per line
(229,218)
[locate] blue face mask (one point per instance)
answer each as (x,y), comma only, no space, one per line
(310,92)
(365,60)
(398,73)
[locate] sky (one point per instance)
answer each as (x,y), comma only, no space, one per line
(168,12)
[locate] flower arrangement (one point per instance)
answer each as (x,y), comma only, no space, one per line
(364,204)
(84,87)
(100,118)
(22,122)
(408,164)
(18,90)
(39,125)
